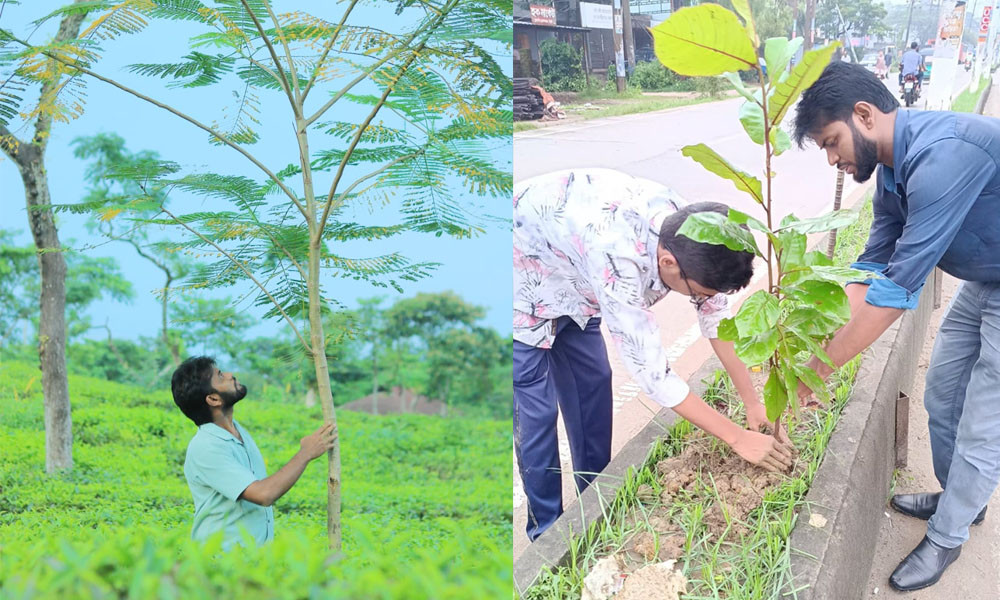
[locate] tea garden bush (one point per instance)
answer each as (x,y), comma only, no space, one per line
(426,511)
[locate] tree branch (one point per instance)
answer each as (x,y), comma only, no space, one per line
(274,57)
(402,47)
(361,130)
(288,52)
(69,28)
(326,51)
(246,271)
(191,120)
(10,144)
(374,173)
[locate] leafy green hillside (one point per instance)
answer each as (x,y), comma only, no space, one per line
(426,508)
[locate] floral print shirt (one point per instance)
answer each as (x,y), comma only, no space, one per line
(585,245)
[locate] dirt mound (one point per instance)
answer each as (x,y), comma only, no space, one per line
(705,469)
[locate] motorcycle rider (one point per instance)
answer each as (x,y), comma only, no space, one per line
(912,63)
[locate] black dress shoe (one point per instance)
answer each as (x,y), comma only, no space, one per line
(923,567)
(922,506)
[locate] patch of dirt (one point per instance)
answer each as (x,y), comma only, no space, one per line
(691,476)
(654,582)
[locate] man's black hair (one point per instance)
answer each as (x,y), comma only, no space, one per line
(913,46)
(833,96)
(713,266)
(190,384)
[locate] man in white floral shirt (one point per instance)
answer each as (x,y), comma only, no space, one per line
(593,244)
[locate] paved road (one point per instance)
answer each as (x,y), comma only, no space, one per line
(649,145)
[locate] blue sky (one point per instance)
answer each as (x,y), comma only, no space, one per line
(477,269)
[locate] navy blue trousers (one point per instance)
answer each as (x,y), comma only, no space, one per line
(574,377)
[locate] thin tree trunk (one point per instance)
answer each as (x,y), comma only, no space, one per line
(174,350)
(374,380)
(318,343)
(836,206)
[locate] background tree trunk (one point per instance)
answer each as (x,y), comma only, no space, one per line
(808,29)
(52,324)
(374,378)
(30,160)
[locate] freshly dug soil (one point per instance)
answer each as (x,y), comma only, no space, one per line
(690,476)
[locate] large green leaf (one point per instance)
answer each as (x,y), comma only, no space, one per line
(743,8)
(831,220)
(752,119)
(813,381)
(777,52)
(727,331)
(826,297)
(702,41)
(812,345)
(805,73)
(741,218)
(812,321)
(780,141)
(775,396)
(711,160)
(793,250)
(714,228)
(758,314)
(756,349)
(838,275)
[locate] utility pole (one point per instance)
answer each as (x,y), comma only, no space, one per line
(619,51)
(627,31)
(847,36)
(909,19)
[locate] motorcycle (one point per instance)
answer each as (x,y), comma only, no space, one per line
(968,64)
(911,91)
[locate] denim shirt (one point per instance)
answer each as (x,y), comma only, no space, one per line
(939,206)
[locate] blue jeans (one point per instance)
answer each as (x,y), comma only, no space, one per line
(574,377)
(962,397)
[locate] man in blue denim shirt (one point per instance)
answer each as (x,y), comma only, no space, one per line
(936,203)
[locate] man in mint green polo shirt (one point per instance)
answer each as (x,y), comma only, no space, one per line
(224,468)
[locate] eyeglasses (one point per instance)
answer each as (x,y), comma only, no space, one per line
(698,300)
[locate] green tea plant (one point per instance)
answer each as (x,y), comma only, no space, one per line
(424,507)
(804,303)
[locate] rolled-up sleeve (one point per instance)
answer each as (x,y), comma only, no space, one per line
(943,181)
(633,329)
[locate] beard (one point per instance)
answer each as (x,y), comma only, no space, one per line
(231,398)
(865,155)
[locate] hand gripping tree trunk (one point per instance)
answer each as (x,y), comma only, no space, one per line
(30,160)
(318,342)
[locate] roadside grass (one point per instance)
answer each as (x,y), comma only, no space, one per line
(644,104)
(966,101)
(524,126)
(754,566)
